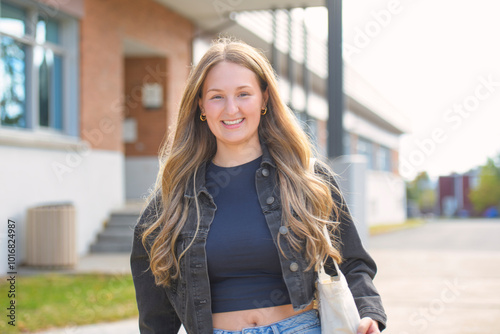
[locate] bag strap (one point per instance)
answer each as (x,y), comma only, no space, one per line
(327,236)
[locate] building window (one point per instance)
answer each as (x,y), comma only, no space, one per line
(49,65)
(38,66)
(12,67)
(310,126)
(347,143)
(384,159)
(365,147)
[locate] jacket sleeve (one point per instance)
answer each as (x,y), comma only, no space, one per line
(156,314)
(358,266)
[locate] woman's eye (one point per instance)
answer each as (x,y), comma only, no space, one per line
(216,97)
(244,94)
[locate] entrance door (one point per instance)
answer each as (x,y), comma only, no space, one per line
(145,121)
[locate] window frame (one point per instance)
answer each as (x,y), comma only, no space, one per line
(368,153)
(385,159)
(68,49)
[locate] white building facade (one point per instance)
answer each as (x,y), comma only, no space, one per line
(372,126)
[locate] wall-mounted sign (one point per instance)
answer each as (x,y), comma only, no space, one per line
(152,96)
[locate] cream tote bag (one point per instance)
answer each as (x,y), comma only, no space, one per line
(338,312)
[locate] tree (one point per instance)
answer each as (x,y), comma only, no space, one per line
(421,192)
(487,193)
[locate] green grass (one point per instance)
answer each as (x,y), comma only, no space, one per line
(59,300)
(386,228)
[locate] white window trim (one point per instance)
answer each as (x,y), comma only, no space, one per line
(41,139)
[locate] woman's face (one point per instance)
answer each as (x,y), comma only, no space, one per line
(232,102)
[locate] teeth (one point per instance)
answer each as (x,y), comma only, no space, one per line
(233,122)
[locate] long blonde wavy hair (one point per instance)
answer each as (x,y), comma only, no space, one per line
(306,198)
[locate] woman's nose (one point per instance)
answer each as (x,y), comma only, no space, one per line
(231,106)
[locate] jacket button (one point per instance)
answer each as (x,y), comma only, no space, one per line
(283,230)
(294,266)
(270,200)
(265,172)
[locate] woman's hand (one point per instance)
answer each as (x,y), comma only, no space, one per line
(368,326)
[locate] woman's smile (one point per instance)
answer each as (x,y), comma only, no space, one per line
(235,122)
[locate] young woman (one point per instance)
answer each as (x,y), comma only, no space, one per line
(232,237)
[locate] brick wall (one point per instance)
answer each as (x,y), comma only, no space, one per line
(103,27)
(151,123)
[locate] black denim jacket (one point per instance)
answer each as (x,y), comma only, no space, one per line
(187,300)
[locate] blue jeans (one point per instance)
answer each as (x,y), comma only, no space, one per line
(303,323)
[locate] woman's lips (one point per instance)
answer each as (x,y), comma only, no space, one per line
(236,121)
(232,124)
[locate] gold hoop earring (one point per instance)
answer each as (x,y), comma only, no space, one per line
(264,111)
(203,117)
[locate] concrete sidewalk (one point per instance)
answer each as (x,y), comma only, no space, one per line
(109,263)
(441,278)
(119,327)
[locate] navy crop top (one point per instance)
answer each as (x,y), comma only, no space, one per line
(243,263)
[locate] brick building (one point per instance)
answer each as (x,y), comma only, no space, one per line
(453,195)
(73,74)
(90,88)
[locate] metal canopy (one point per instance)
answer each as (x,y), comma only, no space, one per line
(210,14)
(207,14)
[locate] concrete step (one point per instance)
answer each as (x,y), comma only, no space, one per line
(118,229)
(111,247)
(123,219)
(107,237)
(118,233)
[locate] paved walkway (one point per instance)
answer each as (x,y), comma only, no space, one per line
(441,278)
(114,263)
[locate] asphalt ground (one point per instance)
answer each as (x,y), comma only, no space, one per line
(443,277)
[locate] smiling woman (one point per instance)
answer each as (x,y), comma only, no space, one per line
(232,102)
(233,235)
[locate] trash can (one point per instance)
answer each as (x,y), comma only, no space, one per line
(51,236)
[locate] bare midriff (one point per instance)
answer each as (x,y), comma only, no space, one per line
(237,320)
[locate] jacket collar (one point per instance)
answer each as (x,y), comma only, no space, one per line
(266,156)
(200,180)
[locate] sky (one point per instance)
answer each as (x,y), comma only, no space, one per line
(437,61)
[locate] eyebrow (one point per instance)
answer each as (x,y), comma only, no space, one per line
(220,90)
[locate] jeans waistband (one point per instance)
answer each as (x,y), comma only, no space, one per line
(302,320)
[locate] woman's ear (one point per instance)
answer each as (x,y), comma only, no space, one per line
(265,97)
(200,103)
